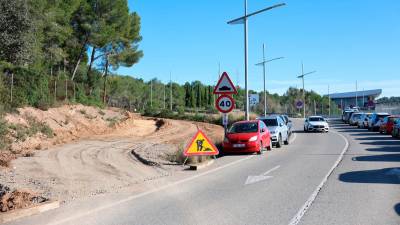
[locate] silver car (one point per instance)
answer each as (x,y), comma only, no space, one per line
(278,130)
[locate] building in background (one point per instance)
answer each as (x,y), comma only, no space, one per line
(365,99)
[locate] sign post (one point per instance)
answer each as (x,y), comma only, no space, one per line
(225,121)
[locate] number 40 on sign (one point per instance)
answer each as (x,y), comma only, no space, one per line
(225,103)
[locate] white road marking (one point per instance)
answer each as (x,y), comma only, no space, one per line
(296,219)
(261,177)
(294,138)
(77,216)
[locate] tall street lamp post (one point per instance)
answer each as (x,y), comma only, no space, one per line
(243,20)
(304,94)
(263,63)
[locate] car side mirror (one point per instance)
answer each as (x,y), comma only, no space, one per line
(262,130)
(289,121)
(280,125)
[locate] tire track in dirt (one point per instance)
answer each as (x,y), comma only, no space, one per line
(101,164)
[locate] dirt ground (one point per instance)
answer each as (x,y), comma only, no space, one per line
(98,159)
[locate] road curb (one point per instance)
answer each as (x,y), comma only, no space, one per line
(19,213)
(201,165)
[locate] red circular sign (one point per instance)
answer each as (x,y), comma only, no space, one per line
(225,103)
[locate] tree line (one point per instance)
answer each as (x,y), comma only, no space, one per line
(56,51)
(52,50)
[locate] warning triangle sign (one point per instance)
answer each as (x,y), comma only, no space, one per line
(200,145)
(225,85)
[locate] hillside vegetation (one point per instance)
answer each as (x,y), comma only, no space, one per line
(54,52)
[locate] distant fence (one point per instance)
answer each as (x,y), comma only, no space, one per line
(389,108)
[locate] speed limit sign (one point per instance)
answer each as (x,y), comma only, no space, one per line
(225,103)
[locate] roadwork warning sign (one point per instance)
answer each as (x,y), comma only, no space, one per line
(200,145)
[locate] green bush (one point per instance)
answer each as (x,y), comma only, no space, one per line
(4,140)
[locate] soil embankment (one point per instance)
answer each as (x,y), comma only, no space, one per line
(90,152)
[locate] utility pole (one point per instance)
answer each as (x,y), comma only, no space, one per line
(170,91)
(356,93)
(243,20)
(315,108)
(363,98)
(164,96)
(329,100)
(264,63)
(304,94)
(219,70)
(151,93)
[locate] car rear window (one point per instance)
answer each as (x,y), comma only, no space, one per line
(270,122)
(244,128)
(314,119)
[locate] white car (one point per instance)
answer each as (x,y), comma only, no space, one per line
(278,129)
(316,123)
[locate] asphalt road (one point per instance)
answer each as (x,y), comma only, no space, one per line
(284,186)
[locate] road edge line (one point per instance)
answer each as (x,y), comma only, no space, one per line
(139,195)
(299,215)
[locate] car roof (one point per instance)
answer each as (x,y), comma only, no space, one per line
(247,121)
(268,117)
(316,117)
(381,114)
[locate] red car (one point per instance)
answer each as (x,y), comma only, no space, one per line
(387,124)
(247,136)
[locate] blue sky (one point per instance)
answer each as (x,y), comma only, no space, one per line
(344,40)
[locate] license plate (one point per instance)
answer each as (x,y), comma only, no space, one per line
(239,145)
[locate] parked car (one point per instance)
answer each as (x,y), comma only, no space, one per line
(363,121)
(375,121)
(316,123)
(353,121)
(387,124)
(247,136)
(289,124)
(396,129)
(347,114)
(278,130)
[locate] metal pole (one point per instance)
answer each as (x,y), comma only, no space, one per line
(265,93)
(170,91)
(315,108)
(245,63)
(329,100)
(164,96)
(357,94)
(304,95)
(151,93)
(363,98)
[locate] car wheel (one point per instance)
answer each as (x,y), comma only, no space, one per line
(269,147)
(260,149)
(287,140)
(279,142)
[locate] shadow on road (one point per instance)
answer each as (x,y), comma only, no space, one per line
(365,133)
(383,143)
(377,138)
(384,149)
(382,176)
(397,208)
(382,158)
